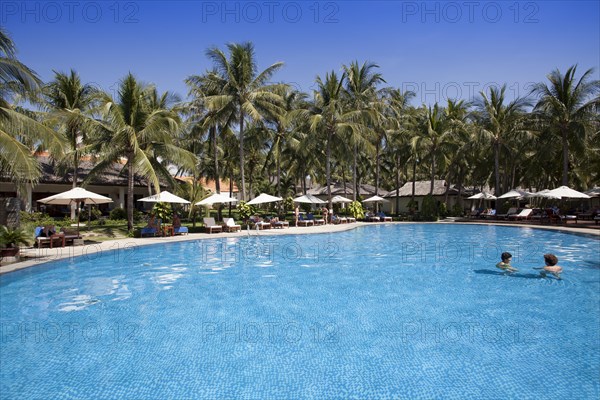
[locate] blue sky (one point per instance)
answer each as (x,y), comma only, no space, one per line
(437,49)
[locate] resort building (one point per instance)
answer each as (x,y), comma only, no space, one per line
(441,190)
(111,183)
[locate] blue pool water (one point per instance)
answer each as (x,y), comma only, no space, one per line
(386,311)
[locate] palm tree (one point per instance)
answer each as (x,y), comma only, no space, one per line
(569,107)
(497,122)
(70,101)
(245,91)
(434,137)
(138,128)
(361,90)
(281,133)
(331,118)
(398,121)
(17,128)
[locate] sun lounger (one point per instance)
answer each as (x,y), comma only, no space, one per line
(230,225)
(180,230)
(276,223)
(257,222)
(305,222)
(523,215)
(351,219)
(70,235)
(511,211)
(372,218)
(317,221)
(211,226)
(490,214)
(339,220)
(384,217)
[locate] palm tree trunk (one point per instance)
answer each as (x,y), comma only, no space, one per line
(565,144)
(75,167)
(213,133)
(497,168)
(243,188)
(432,174)
(303,180)
(230,192)
(130,175)
(414,180)
(278,162)
(377,175)
(328,168)
(354,180)
(397,184)
(217,175)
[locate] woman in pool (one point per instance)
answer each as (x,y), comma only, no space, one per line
(550,260)
(505,263)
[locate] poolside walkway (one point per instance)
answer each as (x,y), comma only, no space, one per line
(34,256)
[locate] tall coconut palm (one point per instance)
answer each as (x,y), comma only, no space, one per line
(245,93)
(434,137)
(497,122)
(361,91)
(16,128)
(136,128)
(283,122)
(70,102)
(569,107)
(331,118)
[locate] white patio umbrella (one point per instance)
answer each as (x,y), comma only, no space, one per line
(515,193)
(374,199)
(340,199)
(544,194)
(76,195)
(567,192)
(216,198)
(309,198)
(264,198)
(595,192)
(482,195)
(164,197)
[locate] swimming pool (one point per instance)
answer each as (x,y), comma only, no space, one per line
(384,311)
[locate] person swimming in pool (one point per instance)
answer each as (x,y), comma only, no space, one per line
(550,260)
(505,263)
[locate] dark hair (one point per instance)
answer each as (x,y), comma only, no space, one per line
(505,256)
(550,259)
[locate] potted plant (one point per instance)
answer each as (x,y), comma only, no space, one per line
(10,239)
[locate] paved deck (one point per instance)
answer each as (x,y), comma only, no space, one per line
(35,256)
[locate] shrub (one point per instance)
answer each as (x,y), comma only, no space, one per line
(163,211)
(288,204)
(429,210)
(10,237)
(36,218)
(457,210)
(356,209)
(443,210)
(118,213)
(245,210)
